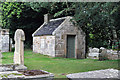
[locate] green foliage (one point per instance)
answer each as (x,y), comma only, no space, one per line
(18,15)
(98,20)
(91,36)
(29,15)
(13,49)
(40,6)
(0,15)
(57,9)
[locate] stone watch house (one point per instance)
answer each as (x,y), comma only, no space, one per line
(59,38)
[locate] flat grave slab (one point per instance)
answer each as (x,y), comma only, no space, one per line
(26,75)
(98,74)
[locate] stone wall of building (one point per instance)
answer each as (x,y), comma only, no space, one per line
(67,28)
(44,45)
(4,40)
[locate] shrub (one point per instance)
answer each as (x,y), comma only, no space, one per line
(13,49)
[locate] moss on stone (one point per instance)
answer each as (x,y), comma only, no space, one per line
(6,75)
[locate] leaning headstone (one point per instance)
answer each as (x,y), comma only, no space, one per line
(103,55)
(101,48)
(19,47)
(104,51)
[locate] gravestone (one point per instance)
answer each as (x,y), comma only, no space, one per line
(93,53)
(19,47)
(101,48)
(103,55)
(95,50)
(104,51)
(18,54)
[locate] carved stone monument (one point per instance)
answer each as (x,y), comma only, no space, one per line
(19,47)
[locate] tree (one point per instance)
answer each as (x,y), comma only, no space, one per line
(29,15)
(57,9)
(0,15)
(100,22)
(18,15)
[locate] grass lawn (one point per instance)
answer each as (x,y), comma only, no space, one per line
(60,66)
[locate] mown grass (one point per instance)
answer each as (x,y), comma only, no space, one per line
(60,67)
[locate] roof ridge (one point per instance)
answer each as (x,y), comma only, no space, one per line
(58,19)
(47,29)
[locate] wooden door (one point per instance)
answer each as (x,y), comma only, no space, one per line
(70,46)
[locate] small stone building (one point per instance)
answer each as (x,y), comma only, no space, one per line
(59,38)
(4,40)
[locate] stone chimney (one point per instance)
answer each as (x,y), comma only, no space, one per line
(47,17)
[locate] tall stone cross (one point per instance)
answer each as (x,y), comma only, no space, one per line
(19,47)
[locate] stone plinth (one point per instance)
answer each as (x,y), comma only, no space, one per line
(11,67)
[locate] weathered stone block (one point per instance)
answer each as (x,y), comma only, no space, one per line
(4,40)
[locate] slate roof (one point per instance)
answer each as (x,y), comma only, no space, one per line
(48,28)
